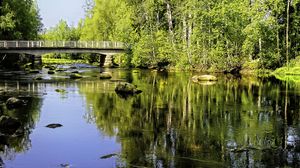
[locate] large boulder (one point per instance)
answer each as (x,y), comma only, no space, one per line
(105,75)
(124,88)
(50,67)
(34,71)
(9,125)
(60,70)
(199,78)
(53,126)
(51,72)
(14,102)
(38,78)
(75,76)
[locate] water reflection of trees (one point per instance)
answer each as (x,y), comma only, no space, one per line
(174,123)
(28,116)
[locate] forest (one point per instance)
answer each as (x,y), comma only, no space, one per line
(217,36)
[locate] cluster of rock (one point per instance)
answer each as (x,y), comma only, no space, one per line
(123,89)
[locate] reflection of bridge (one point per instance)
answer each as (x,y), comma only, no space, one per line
(105,49)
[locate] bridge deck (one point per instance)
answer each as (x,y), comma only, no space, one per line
(61,44)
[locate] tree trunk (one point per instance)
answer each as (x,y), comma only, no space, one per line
(278,44)
(189,36)
(209,30)
(169,18)
(285,115)
(190,30)
(157,19)
(184,30)
(287,31)
(277,36)
(259,44)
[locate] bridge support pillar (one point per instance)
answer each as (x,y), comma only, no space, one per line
(102,59)
(108,61)
(36,61)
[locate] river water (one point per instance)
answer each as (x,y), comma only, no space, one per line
(234,122)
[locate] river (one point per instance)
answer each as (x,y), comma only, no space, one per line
(234,122)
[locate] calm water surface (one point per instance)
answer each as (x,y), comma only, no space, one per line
(235,122)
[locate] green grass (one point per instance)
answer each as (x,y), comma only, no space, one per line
(61,61)
(288,78)
(288,71)
(292,69)
(289,74)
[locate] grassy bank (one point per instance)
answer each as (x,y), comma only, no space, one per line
(61,61)
(292,69)
(288,70)
(289,73)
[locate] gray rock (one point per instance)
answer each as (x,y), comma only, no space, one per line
(60,90)
(50,67)
(65,165)
(34,71)
(60,70)
(51,72)
(75,76)
(199,78)
(54,126)
(38,78)
(127,88)
(108,156)
(105,75)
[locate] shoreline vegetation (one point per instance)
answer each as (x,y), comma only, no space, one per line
(291,73)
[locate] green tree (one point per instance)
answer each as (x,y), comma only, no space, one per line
(63,32)
(19,20)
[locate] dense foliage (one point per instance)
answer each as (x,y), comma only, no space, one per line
(19,20)
(218,35)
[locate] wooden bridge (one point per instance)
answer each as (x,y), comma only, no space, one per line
(105,49)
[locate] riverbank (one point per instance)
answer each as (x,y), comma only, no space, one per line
(290,72)
(248,69)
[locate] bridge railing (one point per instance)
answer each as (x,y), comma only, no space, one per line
(62,44)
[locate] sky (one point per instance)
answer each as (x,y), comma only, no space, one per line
(52,11)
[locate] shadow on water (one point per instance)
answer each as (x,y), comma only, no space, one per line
(16,123)
(237,122)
